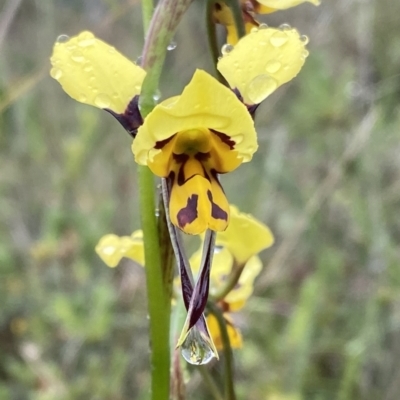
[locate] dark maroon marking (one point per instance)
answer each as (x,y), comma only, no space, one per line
(181,175)
(225,139)
(180,158)
(161,143)
(202,156)
(131,119)
(216,211)
(188,214)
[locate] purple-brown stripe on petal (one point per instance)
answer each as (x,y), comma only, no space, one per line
(224,138)
(161,143)
(131,119)
(188,214)
(216,211)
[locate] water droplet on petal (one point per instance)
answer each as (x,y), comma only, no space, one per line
(304,39)
(56,73)
(254,30)
(172,46)
(226,49)
(86,39)
(304,54)
(102,100)
(82,98)
(111,50)
(88,68)
(62,39)
(77,56)
(260,88)
(285,27)
(195,349)
(278,39)
(238,139)
(273,66)
(139,60)
(263,26)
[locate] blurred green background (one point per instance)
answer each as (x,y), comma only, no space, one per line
(324,321)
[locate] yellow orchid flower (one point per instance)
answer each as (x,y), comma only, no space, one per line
(274,57)
(235,337)
(192,138)
(93,72)
(112,248)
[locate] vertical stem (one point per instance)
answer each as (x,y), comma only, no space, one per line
(160,30)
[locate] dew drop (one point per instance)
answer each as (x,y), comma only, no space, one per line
(172,46)
(285,27)
(226,49)
(77,56)
(304,54)
(253,30)
(157,96)
(111,50)
(260,88)
(86,39)
(238,139)
(273,66)
(139,60)
(88,68)
(263,26)
(102,100)
(56,73)
(278,39)
(195,349)
(304,39)
(82,98)
(62,39)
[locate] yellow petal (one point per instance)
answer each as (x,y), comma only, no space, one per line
(234,334)
(245,236)
(262,61)
(275,5)
(204,104)
(94,73)
(111,248)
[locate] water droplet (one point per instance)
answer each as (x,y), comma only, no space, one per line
(253,30)
(226,49)
(157,212)
(285,27)
(172,46)
(263,26)
(102,100)
(260,88)
(238,138)
(62,39)
(56,73)
(139,60)
(77,56)
(88,68)
(273,66)
(304,39)
(86,39)
(304,54)
(82,98)
(195,349)
(157,96)
(278,39)
(111,50)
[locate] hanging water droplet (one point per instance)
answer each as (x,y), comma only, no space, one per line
(86,39)
(273,66)
(260,88)
(254,30)
(263,26)
(139,61)
(157,212)
(278,39)
(195,349)
(171,46)
(304,54)
(304,39)
(56,73)
(77,56)
(62,39)
(102,100)
(285,27)
(226,49)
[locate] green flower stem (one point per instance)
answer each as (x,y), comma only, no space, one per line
(231,282)
(147,13)
(236,9)
(227,351)
(161,29)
